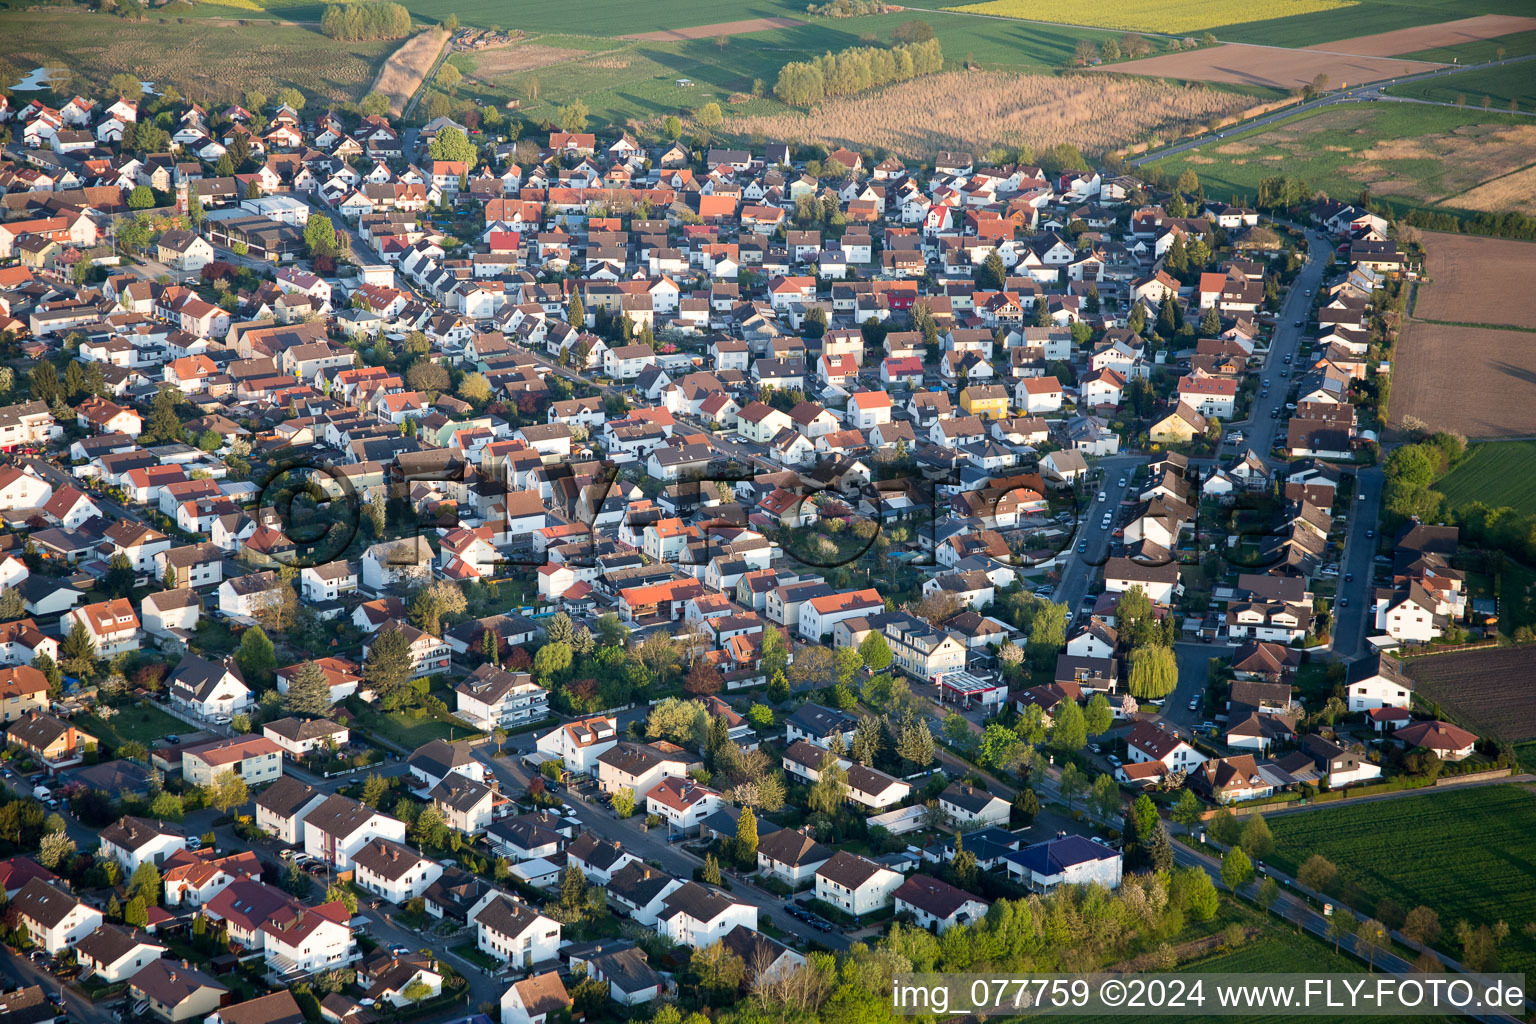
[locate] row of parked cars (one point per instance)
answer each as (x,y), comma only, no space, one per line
(815,920)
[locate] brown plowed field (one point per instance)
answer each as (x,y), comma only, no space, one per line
(1475,381)
(1270,66)
(1491,692)
(721,28)
(1474,280)
(1428,37)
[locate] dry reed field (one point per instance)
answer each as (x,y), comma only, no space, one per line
(1513,193)
(509,60)
(1272,67)
(405,69)
(1473,380)
(972,111)
(1466,157)
(723,28)
(1472,279)
(1428,37)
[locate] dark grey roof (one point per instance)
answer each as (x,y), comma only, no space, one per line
(130,833)
(440,757)
(793,848)
(699,902)
(967,798)
(507,917)
(638,883)
(459,792)
(109,943)
(286,796)
(627,969)
(194,678)
(815,720)
(46,904)
(848,869)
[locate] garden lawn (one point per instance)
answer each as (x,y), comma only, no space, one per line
(144,723)
(1466,853)
(469,951)
(409,733)
(1496,474)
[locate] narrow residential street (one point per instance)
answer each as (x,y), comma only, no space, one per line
(651,845)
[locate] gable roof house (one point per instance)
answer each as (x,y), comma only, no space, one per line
(175,991)
(972,808)
(53,918)
(514,932)
(936,904)
(115,953)
(340,826)
(134,841)
(698,916)
(855,884)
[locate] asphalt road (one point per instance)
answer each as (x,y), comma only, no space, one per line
(1357,564)
(1262,427)
(1079,569)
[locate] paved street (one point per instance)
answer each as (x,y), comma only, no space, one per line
(1263,428)
(1357,565)
(1079,569)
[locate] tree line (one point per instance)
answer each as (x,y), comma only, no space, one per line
(803,83)
(361,22)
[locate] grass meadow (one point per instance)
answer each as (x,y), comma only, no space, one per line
(1466,853)
(1144,15)
(1287,22)
(204,58)
(1496,474)
(1405,153)
(1478,51)
(1512,82)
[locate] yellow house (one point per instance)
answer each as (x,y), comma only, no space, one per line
(985,401)
(23,690)
(1183,424)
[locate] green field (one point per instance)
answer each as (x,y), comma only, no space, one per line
(1500,85)
(205,59)
(1278,949)
(629,78)
(1496,474)
(1144,15)
(1479,51)
(1316,22)
(1407,153)
(1469,854)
